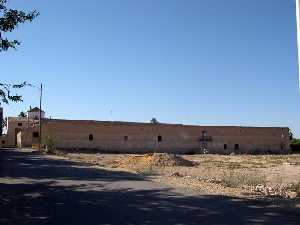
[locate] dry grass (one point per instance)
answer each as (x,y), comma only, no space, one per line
(233,179)
(147,171)
(235,175)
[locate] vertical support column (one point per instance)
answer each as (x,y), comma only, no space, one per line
(1,121)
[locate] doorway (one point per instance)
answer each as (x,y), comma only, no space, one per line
(17,131)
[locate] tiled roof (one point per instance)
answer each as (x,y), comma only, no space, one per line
(35,109)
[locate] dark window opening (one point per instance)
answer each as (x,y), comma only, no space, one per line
(3,142)
(204,133)
(125,138)
(282,147)
(225,146)
(35,134)
(19,124)
(159,138)
(91,137)
(236,147)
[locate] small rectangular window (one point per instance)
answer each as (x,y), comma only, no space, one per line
(225,146)
(19,124)
(91,137)
(125,138)
(3,142)
(159,138)
(35,134)
(236,147)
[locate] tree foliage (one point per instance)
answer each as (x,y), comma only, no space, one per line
(22,114)
(9,20)
(6,89)
(295,141)
(154,121)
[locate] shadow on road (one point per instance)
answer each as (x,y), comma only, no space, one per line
(46,199)
(16,164)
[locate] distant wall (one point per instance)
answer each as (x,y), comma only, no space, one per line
(143,137)
(135,137)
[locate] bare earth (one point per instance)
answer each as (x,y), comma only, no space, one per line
(247,176)
(98,189)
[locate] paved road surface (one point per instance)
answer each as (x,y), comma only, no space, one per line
(36,190)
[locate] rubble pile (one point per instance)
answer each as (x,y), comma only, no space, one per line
(276,191)
(212,180)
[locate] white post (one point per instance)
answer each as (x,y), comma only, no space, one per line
(298,35)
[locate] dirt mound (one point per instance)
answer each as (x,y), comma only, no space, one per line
(157,159)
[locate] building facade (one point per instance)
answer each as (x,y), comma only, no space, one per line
(34,113)
(146,137)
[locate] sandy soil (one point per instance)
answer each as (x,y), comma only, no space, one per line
(234,175)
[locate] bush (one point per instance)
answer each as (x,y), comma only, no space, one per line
(295,141)
(50,145)
(295,145)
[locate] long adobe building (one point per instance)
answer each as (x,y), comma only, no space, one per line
(131,137)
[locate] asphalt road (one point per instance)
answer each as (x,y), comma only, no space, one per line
(36,190)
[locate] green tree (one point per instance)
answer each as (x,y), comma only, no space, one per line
(154,121)
(295,141)
(22,114)
(9,21)
(6,89)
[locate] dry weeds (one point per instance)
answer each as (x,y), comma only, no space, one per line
(237,175)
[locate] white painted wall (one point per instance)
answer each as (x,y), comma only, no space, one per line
(35,115)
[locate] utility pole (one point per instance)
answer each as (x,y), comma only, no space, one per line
(40,118)
(1,120)
(298,34)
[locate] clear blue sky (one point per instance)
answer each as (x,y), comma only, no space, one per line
(206,62)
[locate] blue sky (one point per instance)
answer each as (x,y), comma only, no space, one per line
(206,62)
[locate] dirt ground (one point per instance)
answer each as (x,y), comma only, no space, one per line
(248,176)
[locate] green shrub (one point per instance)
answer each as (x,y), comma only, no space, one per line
(295,141)
(50,145)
